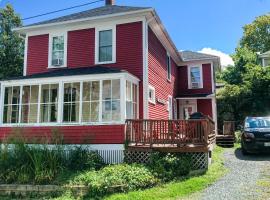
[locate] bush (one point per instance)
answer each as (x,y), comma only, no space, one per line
(169,166)
(116,178)
(81,159)
(22,163)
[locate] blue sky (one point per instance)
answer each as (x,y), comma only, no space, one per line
(192,24)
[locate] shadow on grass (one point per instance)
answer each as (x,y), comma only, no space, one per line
(252,157)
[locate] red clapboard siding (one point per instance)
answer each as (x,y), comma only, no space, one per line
(205,106)
(158,76)
(37,54)
(129,53)
(81,48)
(106,134)
(183,81)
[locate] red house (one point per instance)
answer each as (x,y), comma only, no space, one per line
(86,73)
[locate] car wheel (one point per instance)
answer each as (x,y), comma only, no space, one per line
(244,151)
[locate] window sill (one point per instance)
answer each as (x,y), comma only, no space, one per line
(169,80)
(56,67)
(152,102)
(106,62)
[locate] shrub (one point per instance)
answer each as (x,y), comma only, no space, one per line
(116,178)
(82,159)
(168,166)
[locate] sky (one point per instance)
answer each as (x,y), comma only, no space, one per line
(208,26)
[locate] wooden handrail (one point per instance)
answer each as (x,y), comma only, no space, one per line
(178,132)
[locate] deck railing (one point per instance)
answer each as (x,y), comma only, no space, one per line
(170,132)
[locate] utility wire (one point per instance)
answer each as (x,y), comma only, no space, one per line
(56,11)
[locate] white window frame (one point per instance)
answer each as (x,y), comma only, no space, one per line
(123,77)
(189,76)
(169,67)
(153,91)
(104,28)
(51,36)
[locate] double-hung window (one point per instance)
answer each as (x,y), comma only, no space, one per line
(131,100)
(105,45)
(57,51)
(11,105)
(195,77)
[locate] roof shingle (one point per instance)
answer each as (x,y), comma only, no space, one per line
(96,12)
(191,55)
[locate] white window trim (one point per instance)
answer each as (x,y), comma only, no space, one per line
(104,28)
(189,76)
(50,66)
(153,100)
(170,108)
(169,78)
(61,80)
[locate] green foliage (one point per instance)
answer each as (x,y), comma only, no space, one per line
(41,164)
(11,44)
(116,178)
(169,166)
(81,159)
(257,34)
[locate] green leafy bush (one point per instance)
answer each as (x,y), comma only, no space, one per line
(81,159)
(116,178)
(168,166)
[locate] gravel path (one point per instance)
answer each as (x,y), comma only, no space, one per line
(241,182)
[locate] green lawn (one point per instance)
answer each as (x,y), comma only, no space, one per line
(181,188)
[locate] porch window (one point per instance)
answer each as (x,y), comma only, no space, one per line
(131,100)
(105,46)
(111,100)
(91,101)
(58,51)
(71,102)
(11,105)
(49,103)
(195,77)
(29,110)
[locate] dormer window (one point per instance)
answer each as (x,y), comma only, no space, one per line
(105,45)
(57,51)
(195,77)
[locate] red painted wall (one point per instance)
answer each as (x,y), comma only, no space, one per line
(205,106)
(158,76)
(81,48)
(81,52)
(183,81)
(37,55)
(103,134)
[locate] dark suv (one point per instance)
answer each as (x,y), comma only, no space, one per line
(256,135)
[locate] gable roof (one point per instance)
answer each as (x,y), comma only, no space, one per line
(192,56)
(71,72)
(96,12)
(265,54)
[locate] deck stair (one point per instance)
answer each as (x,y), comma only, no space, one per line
(225,140)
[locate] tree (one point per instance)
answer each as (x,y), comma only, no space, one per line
(257,35)
(11,44)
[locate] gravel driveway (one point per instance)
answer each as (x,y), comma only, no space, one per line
(248,178)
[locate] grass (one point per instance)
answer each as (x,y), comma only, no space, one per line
(181,188)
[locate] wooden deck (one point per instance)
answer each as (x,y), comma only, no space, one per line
(170,135)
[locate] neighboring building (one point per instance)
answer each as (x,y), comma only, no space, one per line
(86,73)
(265,58)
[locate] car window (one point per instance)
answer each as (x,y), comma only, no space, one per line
(257,122)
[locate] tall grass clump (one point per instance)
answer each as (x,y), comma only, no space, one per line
(21,162)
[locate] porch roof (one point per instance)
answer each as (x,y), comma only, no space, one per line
(194,96)
(70,72)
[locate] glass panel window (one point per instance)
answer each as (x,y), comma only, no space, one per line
(111,100)
(29,104)
(105,46)
(57,51)
(90,104)
(195,77)
(11,105)
(71,102)
(49,103)
(131,100)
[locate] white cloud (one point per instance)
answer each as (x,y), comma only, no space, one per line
(225,59)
